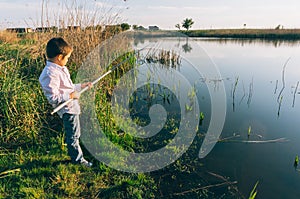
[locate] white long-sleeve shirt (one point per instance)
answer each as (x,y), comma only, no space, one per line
(57,86)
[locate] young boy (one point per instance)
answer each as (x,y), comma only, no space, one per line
(58,87)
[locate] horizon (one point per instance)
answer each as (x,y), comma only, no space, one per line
(206,15)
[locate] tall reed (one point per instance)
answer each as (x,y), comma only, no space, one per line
(21,101)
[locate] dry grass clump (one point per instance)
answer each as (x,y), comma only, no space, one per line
(81,41)
(8,37)
(83,24)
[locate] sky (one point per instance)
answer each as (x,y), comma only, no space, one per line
(163,13)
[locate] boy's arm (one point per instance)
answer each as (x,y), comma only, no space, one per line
(78,87)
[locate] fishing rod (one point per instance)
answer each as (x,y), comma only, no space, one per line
(93,83)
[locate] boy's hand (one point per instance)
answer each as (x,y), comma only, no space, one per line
(75,95)
(89,84)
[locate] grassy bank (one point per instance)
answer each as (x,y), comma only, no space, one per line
(33,156)
(288,34)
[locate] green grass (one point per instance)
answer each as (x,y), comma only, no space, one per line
(45,174)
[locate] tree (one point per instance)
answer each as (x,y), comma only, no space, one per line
(125,26)
(141,28)
(278,27)
(187,23)
(134,27)
(177,26)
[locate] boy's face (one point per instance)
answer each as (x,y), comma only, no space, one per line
(62,61)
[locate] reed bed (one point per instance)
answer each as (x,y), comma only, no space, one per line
(166,58)
(20,99)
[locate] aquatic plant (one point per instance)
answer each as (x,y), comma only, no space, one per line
(233,93)
(188,107)
(249,131)
(296,162)
(253,193)
(166,58)
(192,93)
(201,118)
(294,96)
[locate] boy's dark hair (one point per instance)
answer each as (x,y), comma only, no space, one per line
(57,46)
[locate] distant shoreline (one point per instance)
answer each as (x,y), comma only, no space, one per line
(285,34)
(290,34)
(265,34)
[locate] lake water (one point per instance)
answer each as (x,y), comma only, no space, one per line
(270,114)
(260,80)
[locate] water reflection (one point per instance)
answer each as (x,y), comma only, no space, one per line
(222,41)
(186,47)
(244,42)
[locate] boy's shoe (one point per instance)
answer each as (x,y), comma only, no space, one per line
(84,162)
